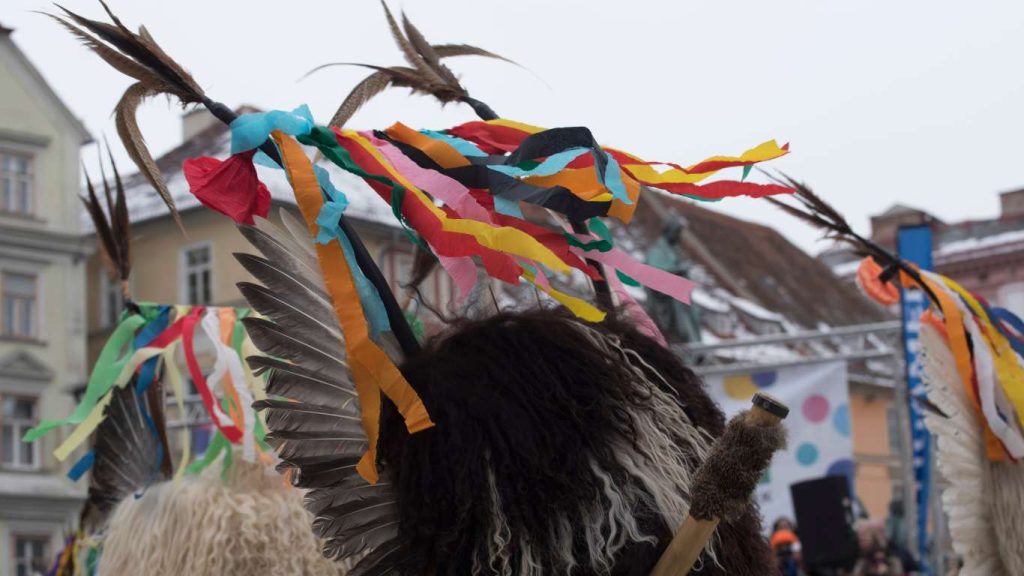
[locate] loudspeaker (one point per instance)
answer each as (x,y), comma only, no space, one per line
(824,519)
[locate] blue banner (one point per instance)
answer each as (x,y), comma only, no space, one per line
(914,244)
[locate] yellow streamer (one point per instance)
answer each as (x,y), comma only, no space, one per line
(1008,372)
(580,308)
(502,238)
(96,416)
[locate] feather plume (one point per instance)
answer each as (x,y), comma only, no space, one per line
(424,74)
(819,214)
(139,57)
(312,411)
(815,211)
(113,229)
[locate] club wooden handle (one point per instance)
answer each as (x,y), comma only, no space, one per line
(691,538)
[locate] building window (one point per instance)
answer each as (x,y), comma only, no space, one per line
(111,301)
(19,305)
(17,418)
(16,183)
(31,556)
(197,274)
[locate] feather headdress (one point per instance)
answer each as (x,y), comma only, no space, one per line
(336,385)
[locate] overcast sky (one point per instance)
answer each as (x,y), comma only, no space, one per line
(912,102)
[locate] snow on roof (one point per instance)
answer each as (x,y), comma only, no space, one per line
(707,301)
(979,242)
(752,309)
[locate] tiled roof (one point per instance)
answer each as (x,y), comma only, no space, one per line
(768,275)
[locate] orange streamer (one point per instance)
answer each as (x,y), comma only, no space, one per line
(372,370)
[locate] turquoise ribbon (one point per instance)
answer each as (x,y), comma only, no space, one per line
(335,203)
(508,207)
(612,178)
(328,221)
(249,131)
(551,165)
(464,147)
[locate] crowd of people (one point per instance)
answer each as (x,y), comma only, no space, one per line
(882,548)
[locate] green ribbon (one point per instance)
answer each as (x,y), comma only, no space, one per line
(604,244)
(627,280)
(108,367)
(216,446)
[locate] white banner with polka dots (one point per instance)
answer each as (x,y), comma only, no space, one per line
(820,441)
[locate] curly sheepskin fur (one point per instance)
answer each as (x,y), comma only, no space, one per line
(560,447)
(251,523)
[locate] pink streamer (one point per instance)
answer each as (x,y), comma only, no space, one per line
(447,189)
(651,277)
(643,320)
(462,270)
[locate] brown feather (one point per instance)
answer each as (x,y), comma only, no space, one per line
(363,92)
(141,49)
(99,222)
(128,129)
(111,224)
(412,56)
(427,53)
(118,61)
(120,225)
(425,73)
(453,50)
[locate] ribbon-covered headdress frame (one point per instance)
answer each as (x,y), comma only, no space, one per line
(457,192)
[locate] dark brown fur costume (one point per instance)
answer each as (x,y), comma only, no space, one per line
(521,393)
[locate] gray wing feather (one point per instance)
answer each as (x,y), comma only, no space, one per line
(312,410)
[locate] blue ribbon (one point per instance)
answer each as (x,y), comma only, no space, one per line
(249,131)
(82,466)
(142,339)
(508,207)
(146,375)
(612,178)
(335,203)
(328,222)
(464,147)
(1004,315)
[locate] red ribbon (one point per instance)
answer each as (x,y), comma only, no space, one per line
(188,327)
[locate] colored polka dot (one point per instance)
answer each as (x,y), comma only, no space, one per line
(842,467)
(841,419)
(739,387)
(807,454)
(764,379)
(815,408)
